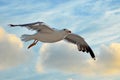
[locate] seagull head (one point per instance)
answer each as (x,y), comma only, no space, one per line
(66,30)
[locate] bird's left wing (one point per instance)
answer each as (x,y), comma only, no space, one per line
(80,42)
(38,26)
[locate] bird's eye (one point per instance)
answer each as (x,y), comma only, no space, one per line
(64,29)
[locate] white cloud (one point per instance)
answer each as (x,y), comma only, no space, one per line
(108,62)
(11,51)
(70,79)
(65,57)
(113,12)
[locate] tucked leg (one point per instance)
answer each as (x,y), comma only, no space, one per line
(34,43)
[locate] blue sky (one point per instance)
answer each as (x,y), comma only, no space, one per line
(98,21)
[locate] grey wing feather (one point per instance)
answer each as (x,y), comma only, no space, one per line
(80,42)
(38,26)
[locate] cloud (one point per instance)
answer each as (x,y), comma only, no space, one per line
(62,56)
(65,57)
(70,79)
(108,61)
(105,27)
(113,12)
(11,51)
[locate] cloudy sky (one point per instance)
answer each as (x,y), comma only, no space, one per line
(97,21)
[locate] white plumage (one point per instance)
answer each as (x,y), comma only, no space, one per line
(50,35)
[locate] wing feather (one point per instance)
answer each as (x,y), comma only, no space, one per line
(80,42)
(38,26)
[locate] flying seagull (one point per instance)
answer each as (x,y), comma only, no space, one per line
(50,35)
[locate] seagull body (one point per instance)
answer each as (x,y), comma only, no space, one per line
(50,35)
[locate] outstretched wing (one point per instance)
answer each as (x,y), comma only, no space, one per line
(38,26)
(80,42)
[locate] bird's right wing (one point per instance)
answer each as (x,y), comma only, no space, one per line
(38,26)
(80,42)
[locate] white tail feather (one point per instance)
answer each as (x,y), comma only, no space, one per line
(26,37)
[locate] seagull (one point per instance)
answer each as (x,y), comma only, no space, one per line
(46,34)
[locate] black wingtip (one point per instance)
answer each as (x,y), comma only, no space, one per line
(11,25)
(92,53)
